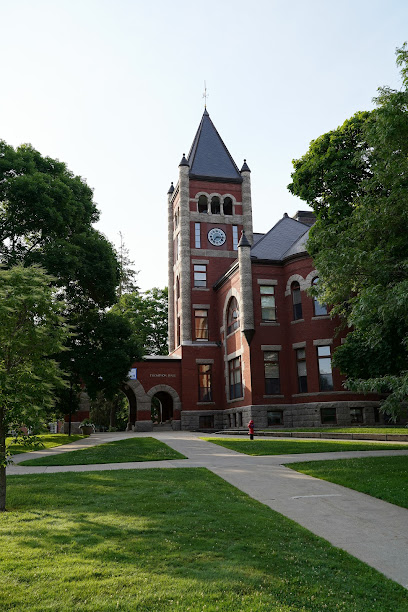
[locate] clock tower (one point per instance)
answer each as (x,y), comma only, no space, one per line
(207,211)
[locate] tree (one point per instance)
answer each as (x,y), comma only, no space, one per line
(104,347)
(357,185)
(32,330)
(46,217)
(147,314)
(127,273)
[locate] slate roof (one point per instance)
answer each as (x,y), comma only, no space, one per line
(209,158)
(286,238)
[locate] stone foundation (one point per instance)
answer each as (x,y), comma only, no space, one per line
(290,415)
(143,426)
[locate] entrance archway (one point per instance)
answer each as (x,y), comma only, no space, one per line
(162,407)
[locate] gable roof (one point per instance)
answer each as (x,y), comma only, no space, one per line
(282,240)
(209,158)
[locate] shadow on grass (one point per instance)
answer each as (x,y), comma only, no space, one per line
(187,532)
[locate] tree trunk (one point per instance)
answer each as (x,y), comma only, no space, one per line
(2,463)
(112,414)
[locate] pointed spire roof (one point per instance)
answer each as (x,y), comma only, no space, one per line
(209,158)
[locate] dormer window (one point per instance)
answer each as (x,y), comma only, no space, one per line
(203,204)
(227,206)
(215,205)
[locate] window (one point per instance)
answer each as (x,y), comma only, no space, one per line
(206,421)
(271,364)
(301,370)
(297,301)
(274,417)
(203,204)
(227,206)
(215,205)
(328,415)
(176,219)
(319,309)
(200,276)
(235,378)
(235,237)
(197,236)
(268,303)
(232,316)
(177,247)
(201,324)
(204,383)
(325,369)
(178,332)
(356,415)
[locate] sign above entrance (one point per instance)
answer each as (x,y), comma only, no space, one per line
(162,376)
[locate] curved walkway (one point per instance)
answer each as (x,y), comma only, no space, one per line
(370,529)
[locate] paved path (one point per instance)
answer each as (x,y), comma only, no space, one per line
(372,530)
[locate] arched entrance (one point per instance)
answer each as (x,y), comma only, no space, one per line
(162,408)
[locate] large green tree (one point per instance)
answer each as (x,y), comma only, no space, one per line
(147,314)
(46,217)
(356,180)
(32,331)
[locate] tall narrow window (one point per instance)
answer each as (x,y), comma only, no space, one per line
(325,368)
(297,301)
(235,378)
(268,302)
(200,276)
(235,237)
(232,316)
(178,332)
(197,236)
(319,309)
(204,383)
(301,370)
(271,365)
(203,204)
(227,206)
(177,247)
(215,205)
(201,324)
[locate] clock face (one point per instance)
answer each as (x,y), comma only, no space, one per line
(217,236)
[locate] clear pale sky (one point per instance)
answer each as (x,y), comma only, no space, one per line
(114,89)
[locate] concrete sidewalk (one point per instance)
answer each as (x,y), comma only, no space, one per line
(368,528)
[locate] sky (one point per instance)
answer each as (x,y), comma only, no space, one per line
(114,88)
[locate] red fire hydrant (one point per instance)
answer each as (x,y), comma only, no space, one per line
(251,426)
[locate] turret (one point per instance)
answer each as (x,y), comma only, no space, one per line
(170,260)
(184,251)
(245,280)
(247,202)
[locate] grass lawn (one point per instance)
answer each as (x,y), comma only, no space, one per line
(289,447)
(382,477)
(47,441)
(175,539)
(374,430)
(120,451)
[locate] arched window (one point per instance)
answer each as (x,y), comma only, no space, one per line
(232,316)
(215,205)
(296,301)
(203,204)
(227,206)
(319,309)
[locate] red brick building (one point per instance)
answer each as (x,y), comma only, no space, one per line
(245,339)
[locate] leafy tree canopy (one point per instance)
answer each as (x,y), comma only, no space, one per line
(46,217)
(356,180)
(32,330)
(147,314)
